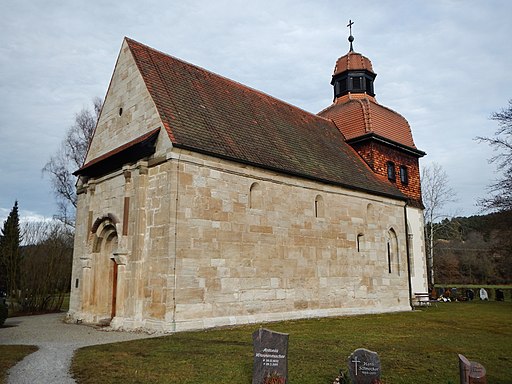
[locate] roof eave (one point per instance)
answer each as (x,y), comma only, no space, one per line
(384,140)
(141,147)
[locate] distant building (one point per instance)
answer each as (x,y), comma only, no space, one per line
(203,202)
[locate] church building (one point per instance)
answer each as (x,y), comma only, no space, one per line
(203,202)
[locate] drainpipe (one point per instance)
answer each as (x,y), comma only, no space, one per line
(408,254)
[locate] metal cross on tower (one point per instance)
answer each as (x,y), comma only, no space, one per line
(350,38)
(350,24)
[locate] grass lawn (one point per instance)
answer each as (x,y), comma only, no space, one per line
(10,355)
(414,347)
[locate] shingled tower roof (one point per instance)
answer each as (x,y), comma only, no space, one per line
(357,116)
(355,110)
(210,114)
(352,61)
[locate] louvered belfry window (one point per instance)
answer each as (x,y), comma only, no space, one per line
(391,171)
(404,176)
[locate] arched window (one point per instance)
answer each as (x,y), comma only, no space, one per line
(319,206)
(370,213)
(255,196)
(392,252)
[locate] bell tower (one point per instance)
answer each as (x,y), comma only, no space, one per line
(353,73)
(381,136)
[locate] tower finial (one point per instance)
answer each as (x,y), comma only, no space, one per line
(350,38)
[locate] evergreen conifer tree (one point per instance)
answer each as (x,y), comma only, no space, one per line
(10,255)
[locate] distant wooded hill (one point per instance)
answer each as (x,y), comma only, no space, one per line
(474,250)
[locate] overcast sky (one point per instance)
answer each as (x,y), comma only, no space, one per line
(444,65)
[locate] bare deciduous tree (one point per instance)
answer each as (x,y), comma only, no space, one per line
(46,266)
(501,191)
(436,193)
(69,157)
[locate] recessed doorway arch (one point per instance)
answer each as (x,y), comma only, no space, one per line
(104,268)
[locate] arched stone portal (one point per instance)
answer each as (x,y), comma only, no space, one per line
(101,296)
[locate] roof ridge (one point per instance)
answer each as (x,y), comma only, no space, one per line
(262,93)
(368,113)
(214,115)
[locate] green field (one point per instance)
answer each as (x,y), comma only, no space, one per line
(414,347)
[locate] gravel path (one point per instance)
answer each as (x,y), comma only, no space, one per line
(57,342)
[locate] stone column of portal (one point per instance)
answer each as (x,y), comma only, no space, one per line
(121,256)
(87,258)
(137,256)
(80,302)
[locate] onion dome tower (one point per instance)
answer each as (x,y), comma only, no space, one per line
(381,136)
(353,73)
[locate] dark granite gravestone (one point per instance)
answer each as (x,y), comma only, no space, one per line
(471,372)
(270,357)
(364,367)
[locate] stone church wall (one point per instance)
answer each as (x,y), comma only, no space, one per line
(207,242)
(244,261)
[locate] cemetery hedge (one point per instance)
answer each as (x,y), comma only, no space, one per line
(4,311)
(418,347)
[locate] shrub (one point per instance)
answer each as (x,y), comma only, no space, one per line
(3,312)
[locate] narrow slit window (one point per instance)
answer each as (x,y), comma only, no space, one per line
(360,240)
(319,206)
(389,258)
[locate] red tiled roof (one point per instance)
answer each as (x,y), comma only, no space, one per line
(352,61)
(211,114)
(358,115)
